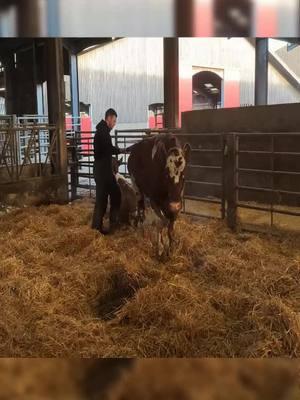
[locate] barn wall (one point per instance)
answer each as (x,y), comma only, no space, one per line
(128,75)
(273,118)
(280,91)
(267,119)
(234,56)
(34,191)
(28,171)
(291,58)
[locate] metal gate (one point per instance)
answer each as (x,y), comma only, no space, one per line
(19,161)
(203,197)
(231,176)
(264,183)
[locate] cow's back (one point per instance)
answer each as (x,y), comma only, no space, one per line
(142,169)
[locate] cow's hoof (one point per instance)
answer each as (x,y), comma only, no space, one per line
(163,255)
(160,252)
(170,250)
(173,247)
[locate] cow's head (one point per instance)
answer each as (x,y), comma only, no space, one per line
(175,163)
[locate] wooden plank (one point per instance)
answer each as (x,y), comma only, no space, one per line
(56,100)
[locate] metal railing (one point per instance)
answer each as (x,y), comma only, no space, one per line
(80,161)
(277,186)
(81,158)
(205,173)
(17,156)
(228,171)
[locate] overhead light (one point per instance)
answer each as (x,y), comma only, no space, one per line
(208,85)
(2,89)
(214,90)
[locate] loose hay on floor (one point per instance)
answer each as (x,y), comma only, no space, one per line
(155,379)
(208,379)
(220,295)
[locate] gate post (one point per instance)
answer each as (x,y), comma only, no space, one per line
(230,181)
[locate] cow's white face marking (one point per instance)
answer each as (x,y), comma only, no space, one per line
(175,165)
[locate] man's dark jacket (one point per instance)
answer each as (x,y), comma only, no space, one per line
(103,149)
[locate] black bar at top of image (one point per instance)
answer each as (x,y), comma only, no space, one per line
(233,17)
(184,18)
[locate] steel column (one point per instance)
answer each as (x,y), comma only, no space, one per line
(171,82)
(230,181)
(75,91)
(261,71)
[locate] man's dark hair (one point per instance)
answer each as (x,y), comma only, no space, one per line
(111,113)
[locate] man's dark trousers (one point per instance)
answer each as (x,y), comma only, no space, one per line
(106,185)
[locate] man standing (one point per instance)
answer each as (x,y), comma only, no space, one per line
(106,184)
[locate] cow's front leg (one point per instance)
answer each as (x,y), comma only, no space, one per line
(171,236)
(162,224)
(160,241)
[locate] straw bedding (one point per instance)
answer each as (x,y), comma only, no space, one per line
(208,379)
(182,379)
(67,291)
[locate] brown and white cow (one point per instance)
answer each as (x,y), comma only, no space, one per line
(129,196)
(157,168)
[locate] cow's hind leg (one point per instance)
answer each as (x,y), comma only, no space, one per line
(141,209)
(140,212)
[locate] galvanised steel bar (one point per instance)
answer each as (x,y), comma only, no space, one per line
(261,71)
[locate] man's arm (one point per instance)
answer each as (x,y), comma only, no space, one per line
(103,145)
(113,149)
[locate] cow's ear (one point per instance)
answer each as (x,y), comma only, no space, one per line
(187,151)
